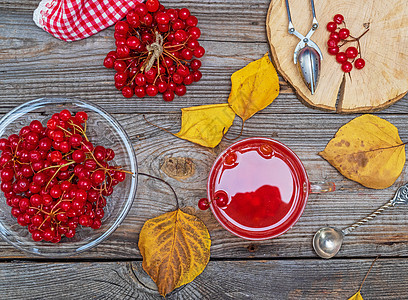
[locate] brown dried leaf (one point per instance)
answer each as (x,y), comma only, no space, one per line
(368,150)
(176,248)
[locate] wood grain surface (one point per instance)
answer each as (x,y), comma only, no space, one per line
(34,64)
(277,279)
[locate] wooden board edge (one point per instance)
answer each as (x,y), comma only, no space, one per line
(372,109)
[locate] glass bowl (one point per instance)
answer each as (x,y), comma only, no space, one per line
(102,129)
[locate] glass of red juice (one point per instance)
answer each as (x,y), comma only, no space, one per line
(264,187)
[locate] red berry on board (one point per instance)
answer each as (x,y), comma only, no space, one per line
(162,18)
(197,75)
(189,79)
(152,90)
(152,5)
(346,67)
(178,25)
(199,52)
(127,92)
(172,14)
(163,27)
(141,9)
(187,54)
(177,78)
(333,51)
(120,66)
(335,36)
(37,236)
(203,204)
(191,21)
(121,41)
(140,79)
(133,19)
(168,96)
(122,27)
(133,42)
(162,86)
(341,57)
(78,156)
(180,90)
(344,33)
(195,64)
(331,26)
(338,18)
(194,32)
(123,51)
(359,63)
(351,52)
(183,13)
(108,62)
(331,43)
(192,44)
(180,35)
(140,91)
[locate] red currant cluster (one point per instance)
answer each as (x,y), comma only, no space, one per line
(154,53)
(342,36)
(54,178)
(220,198)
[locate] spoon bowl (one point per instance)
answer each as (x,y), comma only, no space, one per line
(327,241)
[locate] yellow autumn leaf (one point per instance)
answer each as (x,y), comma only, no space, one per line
(206,124)
(356,296)
(175,247)
(368,150)
(254,87)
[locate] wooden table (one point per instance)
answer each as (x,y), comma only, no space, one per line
(34,64)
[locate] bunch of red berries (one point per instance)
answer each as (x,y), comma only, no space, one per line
(342,36)
(154,53)
(54,178)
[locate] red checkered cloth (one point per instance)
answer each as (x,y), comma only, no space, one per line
(71,20)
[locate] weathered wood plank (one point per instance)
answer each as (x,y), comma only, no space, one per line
(242,14)
(282,279)
(34,64)
(387,235)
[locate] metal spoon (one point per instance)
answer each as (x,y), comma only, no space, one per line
(307,55)
(327,240)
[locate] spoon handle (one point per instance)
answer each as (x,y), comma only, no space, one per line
(371,216)
(401,197)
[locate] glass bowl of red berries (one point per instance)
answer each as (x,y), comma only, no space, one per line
(68,176)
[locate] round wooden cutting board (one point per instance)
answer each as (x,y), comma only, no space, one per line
(383,80)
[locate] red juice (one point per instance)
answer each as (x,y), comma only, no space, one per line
(266,186)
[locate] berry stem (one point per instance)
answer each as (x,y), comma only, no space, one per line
(165,182)
(57,166)
(66,131)
(239,135)
(372,264)
(48,216)
(80,129)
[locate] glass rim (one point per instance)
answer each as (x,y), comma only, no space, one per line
(213,172)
